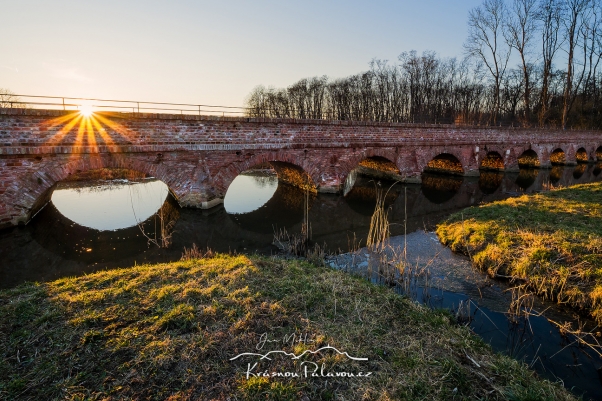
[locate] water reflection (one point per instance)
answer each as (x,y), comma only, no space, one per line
(112,205)
(556,174)
(440,188)
(362,196)
(579,170)
(249,192)
(526,177)
(283,209)
(489,181)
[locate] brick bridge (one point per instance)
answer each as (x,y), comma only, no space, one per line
(199,156)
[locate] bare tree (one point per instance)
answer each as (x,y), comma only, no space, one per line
(573,22)
(486,28)
(550,15)
(520,33)
(8,99)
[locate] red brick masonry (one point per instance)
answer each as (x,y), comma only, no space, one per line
(199,156)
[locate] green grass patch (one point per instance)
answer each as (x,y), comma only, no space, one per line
(167,332)
(552,240)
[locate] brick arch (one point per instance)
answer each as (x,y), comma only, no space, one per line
(40,183)
(554,150)
(352,162)
(492,160)
(578,149)
(591,149)
(436,152)
(227,174)
(522,151)
(465,154)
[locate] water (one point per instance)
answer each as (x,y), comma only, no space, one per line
(113,206)
(483,304)
(87,227)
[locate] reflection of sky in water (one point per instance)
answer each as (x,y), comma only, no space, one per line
(111,207)
(248,193)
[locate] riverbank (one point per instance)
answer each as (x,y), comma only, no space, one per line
(550,242)
(171,331)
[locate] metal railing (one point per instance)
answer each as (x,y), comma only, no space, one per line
(9,100)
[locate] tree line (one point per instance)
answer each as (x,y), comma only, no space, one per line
(557,81)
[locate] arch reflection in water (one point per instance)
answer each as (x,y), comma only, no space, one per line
(439,188)
(526,178)
(362,196)
(597,169)
(556,174)
(250,190)
(579,170)
(111,205)
(257,201)
(490,181)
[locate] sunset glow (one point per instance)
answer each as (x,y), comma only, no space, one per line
(85,128)
(86,110)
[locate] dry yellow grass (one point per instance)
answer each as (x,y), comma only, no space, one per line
(552,240)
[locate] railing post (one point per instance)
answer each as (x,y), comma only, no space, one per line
(138,103)
(199,109)
(63,104)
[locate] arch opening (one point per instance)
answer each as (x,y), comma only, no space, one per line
(269,194)
(113,199)
(581,156)
(445,163)
(557,157)
(251,189)
(377,168)
(294,175)
(493,161)
(528,159)
(599,154)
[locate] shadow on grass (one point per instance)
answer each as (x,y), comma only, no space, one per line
(170,331)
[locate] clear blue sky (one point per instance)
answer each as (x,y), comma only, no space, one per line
(211,52)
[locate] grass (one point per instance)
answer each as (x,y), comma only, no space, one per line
(167,332)
(552,241)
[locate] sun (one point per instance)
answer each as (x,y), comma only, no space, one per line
(86,110)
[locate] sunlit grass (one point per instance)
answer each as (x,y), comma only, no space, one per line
(553,240)
(168,331)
